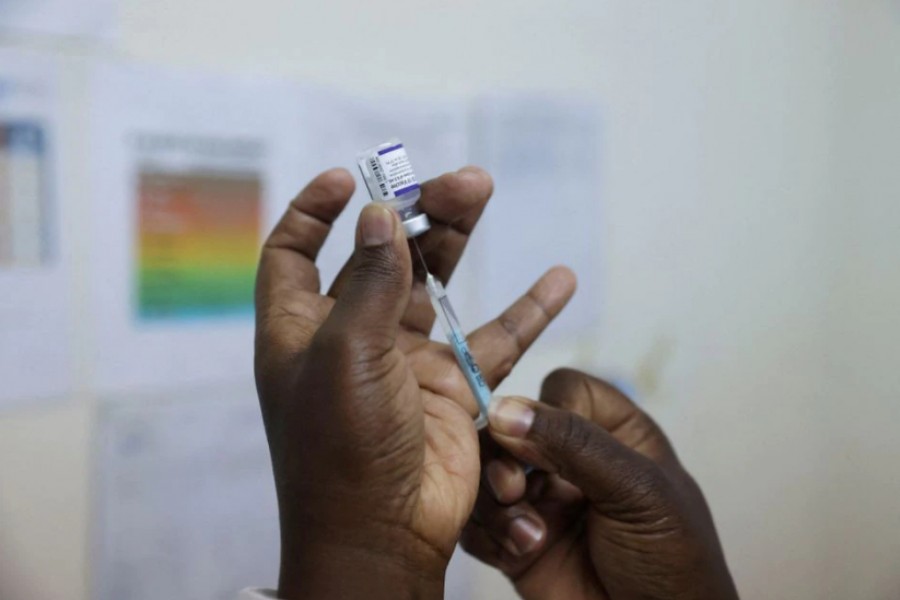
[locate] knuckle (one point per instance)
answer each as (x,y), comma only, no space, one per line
(606,388)
(537,306)
(575,433)
(564,434)
(333,343)
(650,485)
(503,369)
(647,437)
(378,265)
(355,353)
(511,325)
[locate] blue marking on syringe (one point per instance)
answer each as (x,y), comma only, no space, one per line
(470,369)
(452,330)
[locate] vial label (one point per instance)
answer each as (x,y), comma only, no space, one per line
(392,171)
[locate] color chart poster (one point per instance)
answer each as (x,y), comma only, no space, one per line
(185,169)
(199,222)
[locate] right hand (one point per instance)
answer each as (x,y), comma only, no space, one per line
(611,514)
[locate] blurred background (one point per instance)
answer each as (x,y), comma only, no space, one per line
(721,174)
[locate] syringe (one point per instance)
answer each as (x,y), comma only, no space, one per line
(457,339)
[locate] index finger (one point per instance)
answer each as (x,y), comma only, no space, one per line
(499,344)
(454,203)
(287,262)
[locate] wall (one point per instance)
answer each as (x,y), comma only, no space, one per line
(750,241)
(861,524)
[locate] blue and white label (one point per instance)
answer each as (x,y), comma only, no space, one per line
(392,171)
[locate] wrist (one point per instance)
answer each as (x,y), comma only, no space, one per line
(336,572)
(360,558)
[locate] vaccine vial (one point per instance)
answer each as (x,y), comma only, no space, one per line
(390,178)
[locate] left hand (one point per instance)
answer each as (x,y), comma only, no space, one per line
(369,422)
(611,514)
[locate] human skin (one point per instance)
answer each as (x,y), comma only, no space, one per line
(369,422)
(609,514)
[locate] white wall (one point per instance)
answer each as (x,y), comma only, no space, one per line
(751,244)
(863,447)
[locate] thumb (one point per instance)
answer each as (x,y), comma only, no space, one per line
(377,290)
(580,451)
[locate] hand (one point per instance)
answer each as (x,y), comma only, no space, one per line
(613,514)
(369,423)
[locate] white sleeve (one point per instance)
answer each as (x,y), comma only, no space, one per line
(257,594)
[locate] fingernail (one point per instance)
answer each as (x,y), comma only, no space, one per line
(511,416)
(376,225)
(525,535)
(495,473)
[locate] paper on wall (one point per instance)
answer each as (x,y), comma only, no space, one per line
(35,355)
(184,166)
(185,502)
(543,153)
(88,18)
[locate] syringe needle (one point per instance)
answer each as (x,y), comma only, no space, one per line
(421,256)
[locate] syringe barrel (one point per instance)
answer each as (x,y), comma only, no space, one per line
(457,338)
